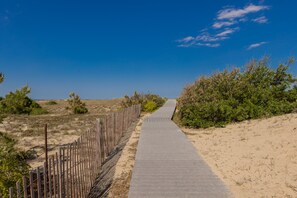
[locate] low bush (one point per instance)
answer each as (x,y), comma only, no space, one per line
(232,96)
(149,102)
(51,102)
(18,102)
(12,164)
(150,106)
(2,117)
(38,111)
(76,105)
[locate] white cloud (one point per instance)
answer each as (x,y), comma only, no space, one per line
(227,32)
(255,45)
(223,27)
(185,45)
(186,39)
(244,19)
(209,44)
(203,39)
(260,20)
(232,13)
(206,37)
(219,24)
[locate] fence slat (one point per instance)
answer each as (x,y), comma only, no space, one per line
(80,167)
(67,172)
(31,185)
(25,186)
(54,176)
(60,173)
(71,171)
(75,169)
(50,177)
(11,192)
(18,189)
(38,183)
(45,179)
(63,171)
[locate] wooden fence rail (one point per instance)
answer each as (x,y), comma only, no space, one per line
(72,171)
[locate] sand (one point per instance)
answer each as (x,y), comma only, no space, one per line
(63,127)
(256,158)
(125,164)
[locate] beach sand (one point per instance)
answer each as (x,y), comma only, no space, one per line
(256,158)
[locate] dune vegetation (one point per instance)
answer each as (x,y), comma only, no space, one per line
(235,95)
(149,102)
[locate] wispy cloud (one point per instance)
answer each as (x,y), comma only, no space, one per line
(227,32)
(232,13)
(260,20)
(226,23)
(220,24)
(209,44)
(186,39)
(255,45)
(205,39)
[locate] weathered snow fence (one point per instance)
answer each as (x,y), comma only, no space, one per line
(72,171)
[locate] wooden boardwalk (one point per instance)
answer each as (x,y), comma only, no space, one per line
(167,164)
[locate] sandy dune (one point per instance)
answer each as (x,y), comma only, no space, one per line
(256,158)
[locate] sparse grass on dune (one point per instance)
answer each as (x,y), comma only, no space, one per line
(63,126)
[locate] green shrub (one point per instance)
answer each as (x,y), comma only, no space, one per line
(76,105)
(38,111)
(1,77)
(149,102)
(51,102)
(236,95)
(12,164)
(19,103)
(2,117)
(150,106)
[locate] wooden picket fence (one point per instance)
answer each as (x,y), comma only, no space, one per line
(72,171)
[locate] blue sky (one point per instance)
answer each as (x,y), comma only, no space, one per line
(106,49)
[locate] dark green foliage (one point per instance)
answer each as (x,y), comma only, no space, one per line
(51,102)
(76,105)
(12,164)
(19,103)
(232,96)
(2,117)
(149,102)
(1,77)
